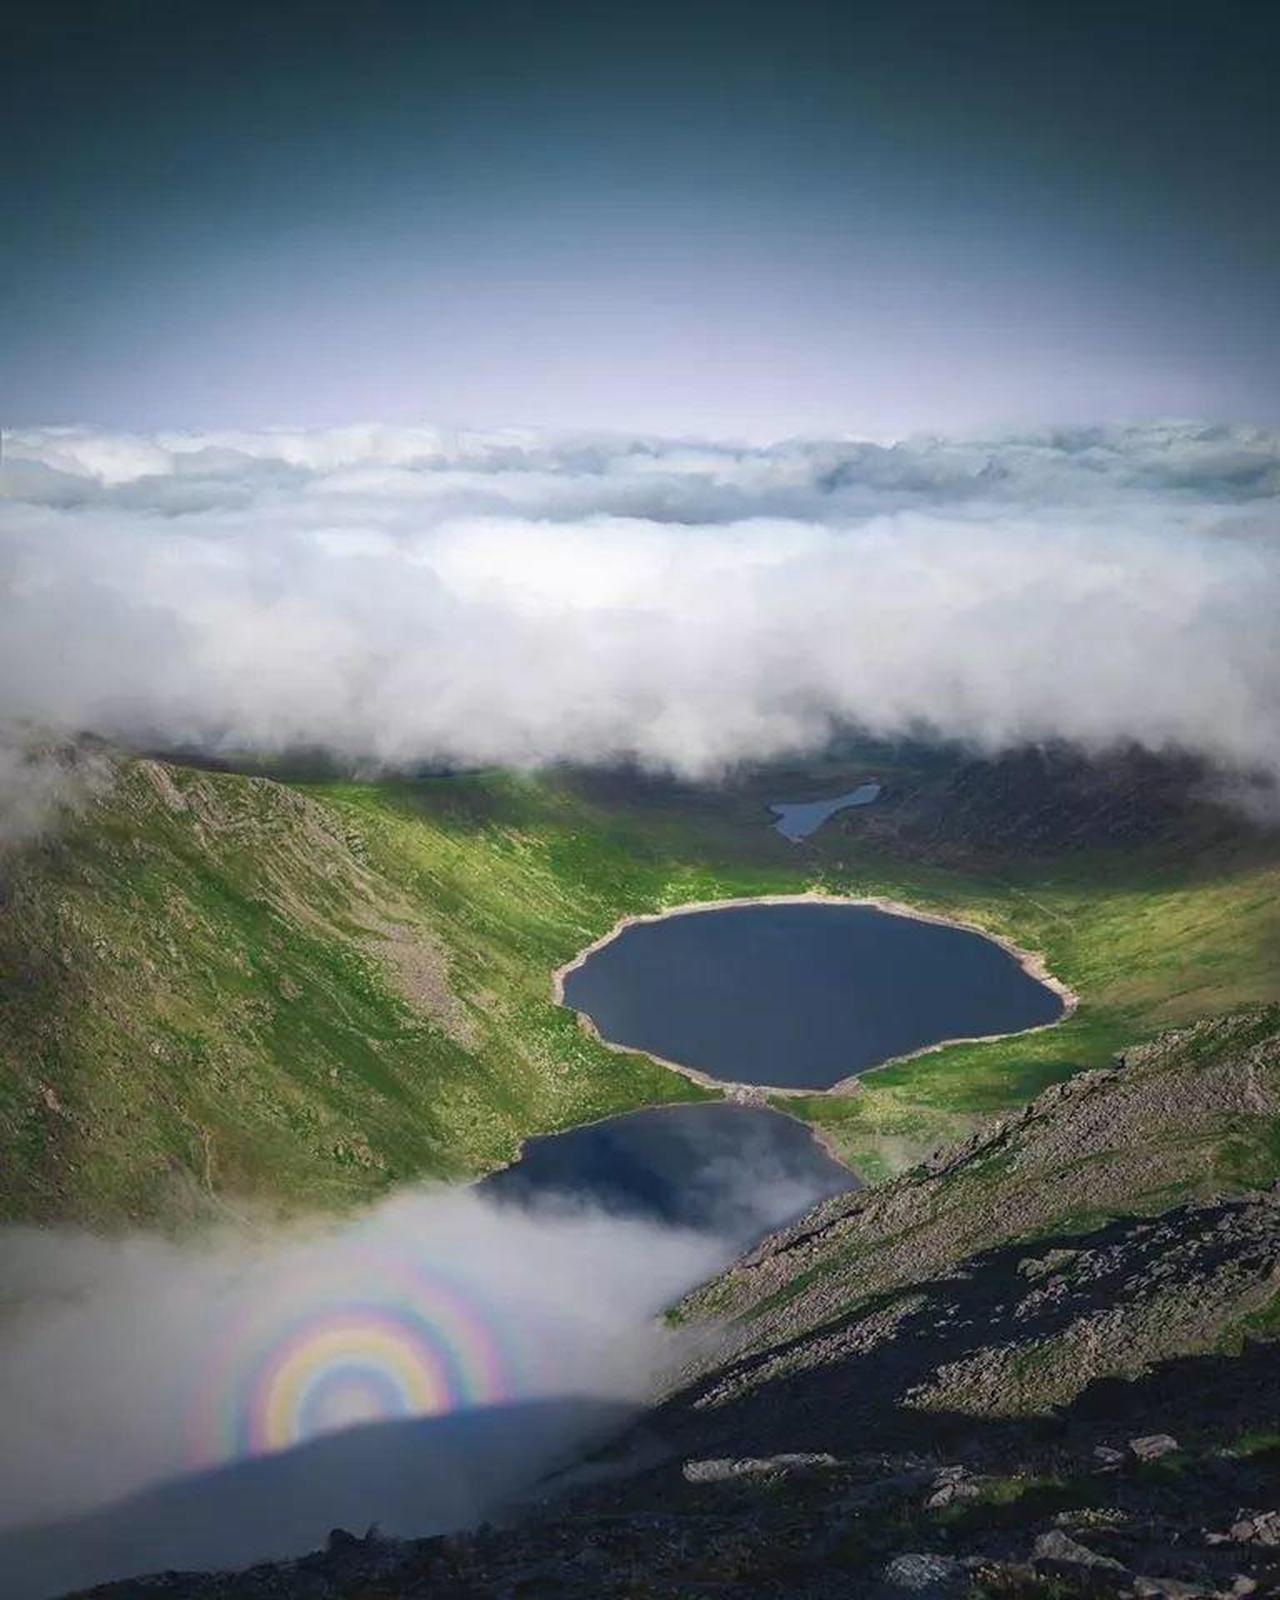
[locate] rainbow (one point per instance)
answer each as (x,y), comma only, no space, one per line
(312,1356)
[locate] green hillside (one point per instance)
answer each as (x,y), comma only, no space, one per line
(217,988)
(1191,1118)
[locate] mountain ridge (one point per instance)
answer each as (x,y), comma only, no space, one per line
(863,1451)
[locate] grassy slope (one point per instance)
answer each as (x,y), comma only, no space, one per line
(1145,944)
(1193,1115)
(195,994)
(1148,939)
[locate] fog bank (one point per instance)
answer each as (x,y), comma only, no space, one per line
(403,594)
(481,1339)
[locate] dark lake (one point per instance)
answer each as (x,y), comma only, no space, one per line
(736,1170)
(801,995)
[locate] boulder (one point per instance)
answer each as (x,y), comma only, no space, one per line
(1151,1446)
(929,1576)
(1258,1527)
(724,1469)
(952,1492)
(1057,1555)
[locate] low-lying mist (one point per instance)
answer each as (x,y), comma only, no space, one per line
(414,1365)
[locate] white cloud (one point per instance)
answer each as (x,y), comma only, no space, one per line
(411,594)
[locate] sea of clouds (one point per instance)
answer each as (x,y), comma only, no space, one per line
(409,594)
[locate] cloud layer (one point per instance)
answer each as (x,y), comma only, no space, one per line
(402,594)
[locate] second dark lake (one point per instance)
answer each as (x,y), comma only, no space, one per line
(801,995)
(738,1171)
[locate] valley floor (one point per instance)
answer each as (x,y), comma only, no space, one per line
(219,991)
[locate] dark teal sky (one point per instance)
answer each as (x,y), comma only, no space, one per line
(698,217)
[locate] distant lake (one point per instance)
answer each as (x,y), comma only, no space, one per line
(797,819)
(801,995)
(739,1171)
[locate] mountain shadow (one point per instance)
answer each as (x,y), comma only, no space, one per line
(418,1477)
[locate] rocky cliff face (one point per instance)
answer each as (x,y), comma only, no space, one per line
(1041,1364)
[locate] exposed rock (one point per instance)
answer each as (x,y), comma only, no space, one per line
(1058,1555)
(1045,1266)
(723,1470)
(850,1528)
(952,1486)
(926,1575)
(1166,1589)
(907,1363)
(1152,1446)
(999,1330)
(1262,1527)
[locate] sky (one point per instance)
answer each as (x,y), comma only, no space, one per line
(680,384)
(729,220)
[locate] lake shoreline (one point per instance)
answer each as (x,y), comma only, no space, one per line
(1031,962)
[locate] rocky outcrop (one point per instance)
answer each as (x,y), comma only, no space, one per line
(1039,1366)
(1041,1524)
(937,1251)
